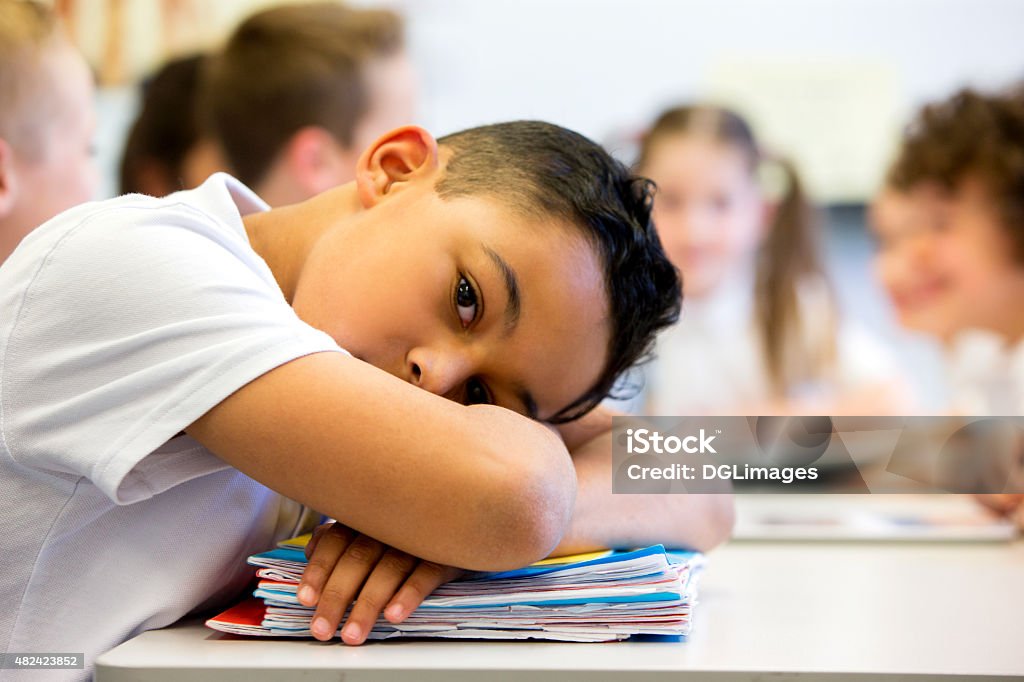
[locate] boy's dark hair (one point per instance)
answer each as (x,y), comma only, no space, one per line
(542,169)
(970,134)
(166,128)
(289,67)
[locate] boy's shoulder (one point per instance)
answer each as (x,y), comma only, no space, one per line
(137,316)
(214,209)
(136,252)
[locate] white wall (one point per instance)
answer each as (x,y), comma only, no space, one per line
(827,81)
(604,66)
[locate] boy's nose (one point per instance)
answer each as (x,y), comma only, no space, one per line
(440,372)
(697,223)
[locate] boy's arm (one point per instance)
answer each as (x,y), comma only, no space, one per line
(477,487)
(601,519)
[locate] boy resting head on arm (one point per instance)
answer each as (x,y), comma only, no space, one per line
(173,370)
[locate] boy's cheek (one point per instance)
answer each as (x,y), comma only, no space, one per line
(885,267)
(900,274)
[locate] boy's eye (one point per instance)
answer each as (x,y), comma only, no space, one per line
(476,393)
(466,301)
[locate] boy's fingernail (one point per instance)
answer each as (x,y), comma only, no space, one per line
(321,628)
(307,594)
(352,633)
(394,612)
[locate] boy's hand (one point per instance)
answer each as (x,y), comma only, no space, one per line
(345,565)
(1010,505)
(1008,474)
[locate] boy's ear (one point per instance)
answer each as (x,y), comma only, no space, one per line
(8,179)
(402,156)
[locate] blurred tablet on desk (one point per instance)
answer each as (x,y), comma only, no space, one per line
(928,518)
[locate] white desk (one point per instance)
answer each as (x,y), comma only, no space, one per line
(840,611)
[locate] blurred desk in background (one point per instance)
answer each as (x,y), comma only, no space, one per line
(869,518)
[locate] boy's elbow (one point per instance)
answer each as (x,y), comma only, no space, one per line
(719,518)
(545,510)
(532,509)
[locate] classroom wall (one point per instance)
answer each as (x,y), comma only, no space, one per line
(829,83)
(845,73)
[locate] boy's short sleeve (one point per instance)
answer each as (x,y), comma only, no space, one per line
(128,327)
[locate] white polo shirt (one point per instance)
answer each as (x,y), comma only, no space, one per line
(986,374)
(121,323)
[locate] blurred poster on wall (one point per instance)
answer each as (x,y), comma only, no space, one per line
(126,39)
(838,120)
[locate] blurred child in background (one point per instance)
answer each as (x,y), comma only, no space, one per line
(164,151)
(300,91)
(950,227)
(760,331)
(47,120)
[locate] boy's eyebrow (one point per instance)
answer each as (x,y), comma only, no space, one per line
(512,308)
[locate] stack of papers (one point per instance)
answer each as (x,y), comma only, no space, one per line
(584,598)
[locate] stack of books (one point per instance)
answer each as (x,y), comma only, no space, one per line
(584,598)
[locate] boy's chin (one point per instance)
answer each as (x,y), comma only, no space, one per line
(931,323)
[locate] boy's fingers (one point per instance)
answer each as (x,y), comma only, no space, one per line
(330,546)
(348,576)
(427,577)
(1001,502)
(1018,517)
(317,532)
(387,576)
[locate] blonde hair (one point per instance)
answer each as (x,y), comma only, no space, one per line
(27,30)
(791,289)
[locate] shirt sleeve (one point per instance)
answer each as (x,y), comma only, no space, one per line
(137,322)
(862,359)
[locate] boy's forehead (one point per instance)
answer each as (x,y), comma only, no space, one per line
(918,197)
(535,234)
(545,251)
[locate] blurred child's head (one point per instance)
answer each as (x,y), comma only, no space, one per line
(709,208)
(725,212)
(950,220)
(47,122)
(299,91)
(502,262)
(164,151)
